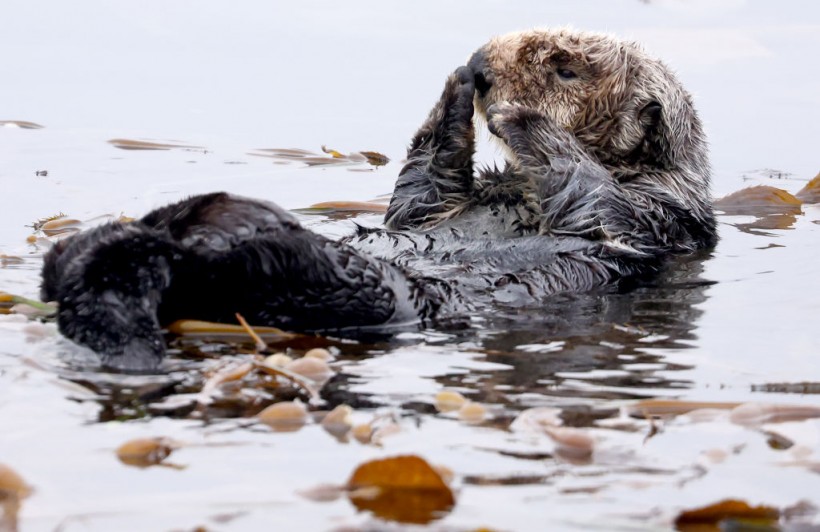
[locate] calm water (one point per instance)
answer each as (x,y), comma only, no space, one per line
(724,326)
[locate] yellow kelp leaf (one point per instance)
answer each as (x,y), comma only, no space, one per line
(759,200)
(42,221)
(59,226)
(338,421)
(313,368)
(811,192)
(13,490)
(375,158)
(319,352)
(12,484)
(204,328)
(403,488)
(729,509)
(449,401)
(145,452)
(287,416)
(349,206)
(333,153)
(43,309)
(398,472)
(277,360)
(473,413)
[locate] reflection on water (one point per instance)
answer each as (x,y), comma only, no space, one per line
(593,345)
(578,346)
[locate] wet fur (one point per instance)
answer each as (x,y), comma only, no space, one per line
(608,176)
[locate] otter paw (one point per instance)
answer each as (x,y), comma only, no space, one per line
(459,92)
(465,75)
(503,119)
(516,125)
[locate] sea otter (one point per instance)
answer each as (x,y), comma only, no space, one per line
(607,176)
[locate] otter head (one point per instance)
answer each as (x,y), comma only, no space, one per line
(626,108)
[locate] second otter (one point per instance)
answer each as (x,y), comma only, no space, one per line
(607,175)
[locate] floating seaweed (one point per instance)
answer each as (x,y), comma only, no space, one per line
(774,208)
(406,489)
(131,144)
(343,209)
(811,192)
(22,124)
(332,157)
(730,514)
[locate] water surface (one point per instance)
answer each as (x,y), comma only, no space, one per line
(733,325)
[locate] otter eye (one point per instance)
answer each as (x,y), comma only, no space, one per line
(565,73)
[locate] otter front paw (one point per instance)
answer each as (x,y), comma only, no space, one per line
(447,138)
(532,135)
(448,131)
(459,92)
(513,123)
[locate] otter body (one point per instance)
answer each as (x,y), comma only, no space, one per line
(607,176)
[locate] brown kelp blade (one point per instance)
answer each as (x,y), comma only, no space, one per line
(344,207)
(406,489)
(131,144)
(197,328)
(759,201)
(811,192)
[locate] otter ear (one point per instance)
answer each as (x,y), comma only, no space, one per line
(650,115)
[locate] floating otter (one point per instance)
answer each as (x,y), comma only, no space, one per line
(607,175)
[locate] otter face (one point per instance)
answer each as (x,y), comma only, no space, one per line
(626,108)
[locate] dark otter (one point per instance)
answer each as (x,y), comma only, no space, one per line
(607,175)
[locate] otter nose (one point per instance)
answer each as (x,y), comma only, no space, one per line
(481,68)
